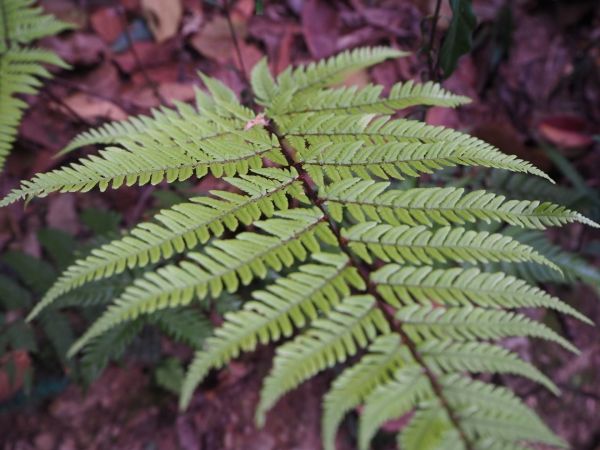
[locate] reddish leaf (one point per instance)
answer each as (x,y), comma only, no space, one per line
(570,132)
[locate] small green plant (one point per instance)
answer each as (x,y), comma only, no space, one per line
(365,269)
(21,65)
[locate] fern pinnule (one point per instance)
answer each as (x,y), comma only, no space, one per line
(350,389)
(406,285)
(368,100)
(407,387)
(371,200)
(420,245)
(469,323)
(449,356)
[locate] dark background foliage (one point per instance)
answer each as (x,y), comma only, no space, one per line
(531,67)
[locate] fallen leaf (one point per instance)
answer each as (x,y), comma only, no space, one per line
(13,368)
(90,107)
(145,97)
(320,27)
(107,24)
(62,214)
(566,131)
(78,49)
(163,17)
(214,39)
(149,53)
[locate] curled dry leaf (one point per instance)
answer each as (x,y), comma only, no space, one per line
(214,39)
(568,132)
(13,369)
(163,17)
(90,107)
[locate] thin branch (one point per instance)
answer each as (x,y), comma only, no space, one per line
(433,69)
(236,43)
(78,117)
(128,107)
(138,61)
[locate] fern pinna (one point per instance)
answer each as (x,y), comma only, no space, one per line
(21,65)
(391,278)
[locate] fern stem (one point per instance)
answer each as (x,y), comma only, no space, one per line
(364,270)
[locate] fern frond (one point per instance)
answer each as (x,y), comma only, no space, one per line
(491,416)
(20,72)
(223,265)
(182,228)
(419,245)
(430,429)
(109,346)
(397,160)
(192,127)
(479,357)
(351,388)
(21,68)
(22,23)
(370,200)
(332,70)
(466,324)
(405,285)
(521,186)
(352,100)
(287,305)
(408,387)
(350,326)
(495,412)
(151,159)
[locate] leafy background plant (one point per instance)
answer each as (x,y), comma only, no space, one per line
(250,65)
(21,64)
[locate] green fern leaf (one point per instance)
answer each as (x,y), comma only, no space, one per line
(419,245)
(350,326)
(392,399)
(396,160)
(352,100)
(182,228)
(275,313)
(151,159)
(479,357)
(332,70)
(402,281)
(21,66)
(460,287)
(351,388)
(223,266)
(370,200)
(423,323)
(496,412)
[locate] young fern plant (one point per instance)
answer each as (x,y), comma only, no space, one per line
(21,65)
(392,279)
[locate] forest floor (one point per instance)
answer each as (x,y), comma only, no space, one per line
(540,80)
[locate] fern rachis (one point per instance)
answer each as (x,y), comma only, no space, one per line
(397,277)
